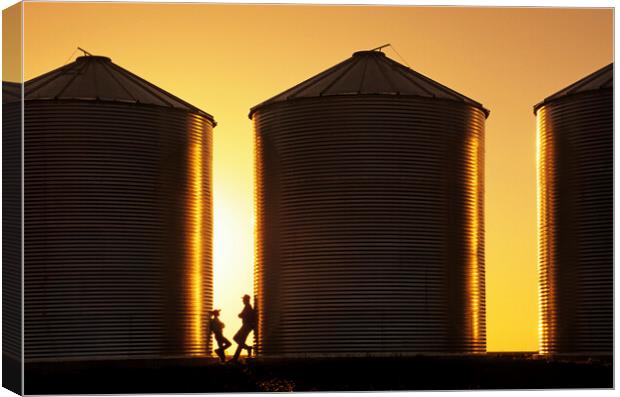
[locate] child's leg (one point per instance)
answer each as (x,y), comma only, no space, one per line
(220,350)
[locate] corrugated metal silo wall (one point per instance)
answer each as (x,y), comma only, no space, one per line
(12,245)
(575,225)
(370,227)
(118,231)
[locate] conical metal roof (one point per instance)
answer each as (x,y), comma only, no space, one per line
(369,72)
(97,78)
(11,92)
(602,78)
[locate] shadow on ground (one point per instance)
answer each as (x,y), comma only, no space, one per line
(336,374)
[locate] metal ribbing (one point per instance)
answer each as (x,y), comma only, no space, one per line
(575,223)
(118,230)
(370,227)
(12,231)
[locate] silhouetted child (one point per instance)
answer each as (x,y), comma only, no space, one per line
(217,327)
(248,318)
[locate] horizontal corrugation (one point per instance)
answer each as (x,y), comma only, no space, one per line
(12,230)
(575,225)
(370,228)
(115,198)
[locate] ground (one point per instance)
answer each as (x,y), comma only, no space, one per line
(490,371)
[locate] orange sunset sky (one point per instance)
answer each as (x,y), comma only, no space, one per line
(225,59)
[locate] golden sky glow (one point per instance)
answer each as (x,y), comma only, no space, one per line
(226,59)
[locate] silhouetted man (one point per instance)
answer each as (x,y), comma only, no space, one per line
(217,327)
(248,318)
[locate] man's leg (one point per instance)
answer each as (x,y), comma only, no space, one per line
(237,353)
(246,347)
(240,338)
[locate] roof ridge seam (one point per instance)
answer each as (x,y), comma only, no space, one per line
(440,86)
(149,87)
(345,71)
(299,88)
(79,71)
(50,76)
(119,83)
(401,70)
(359,90)
(153,89)
(380,66)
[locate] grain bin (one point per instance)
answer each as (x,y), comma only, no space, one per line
(117,213)
(11,235)
(370,227)
(575,217)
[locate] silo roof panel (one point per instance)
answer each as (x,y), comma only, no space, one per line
(348,81)
(369,72)
(82,83)
(375,80)
(97,78)
(139,92)
(53,83)
(601,79)
(405,84)
(316,87)
(11,92)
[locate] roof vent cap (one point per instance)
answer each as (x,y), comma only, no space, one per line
(100,58)
(368,53)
